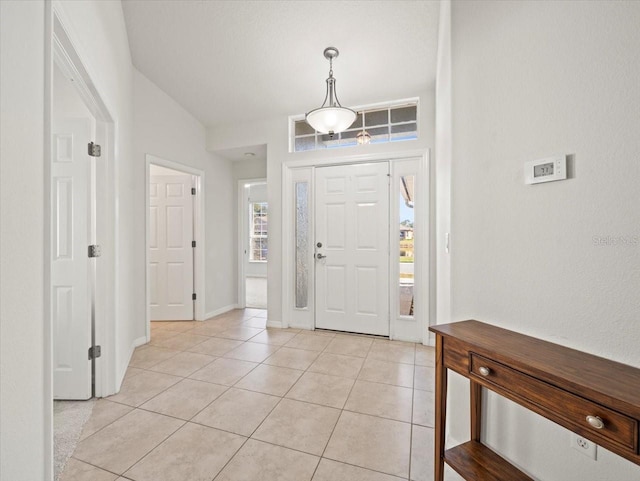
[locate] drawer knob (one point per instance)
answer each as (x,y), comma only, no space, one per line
(485,371)
(595,421)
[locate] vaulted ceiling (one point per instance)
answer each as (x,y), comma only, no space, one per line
(230,61)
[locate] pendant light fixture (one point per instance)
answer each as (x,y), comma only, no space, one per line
(363,136)
(332,117)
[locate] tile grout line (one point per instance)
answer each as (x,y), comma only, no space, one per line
(340,415)
(134,408)
(161,392)
(184,423)
(227,388)
(250,390)
(413,397)
(157,445)
(91,464)
(264,419)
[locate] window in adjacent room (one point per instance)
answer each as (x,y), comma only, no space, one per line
(258,231)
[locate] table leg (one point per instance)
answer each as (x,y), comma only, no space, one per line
(441,411)
(476,411)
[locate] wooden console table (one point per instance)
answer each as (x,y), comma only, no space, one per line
(594,397)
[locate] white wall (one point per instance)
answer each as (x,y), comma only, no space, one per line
(250,169)
(442,160)
(274,133)
(98,30)
(532,79)
(22,400)
(160,170)
(164,129)
(67,103)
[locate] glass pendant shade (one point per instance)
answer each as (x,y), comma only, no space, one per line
(329,120)
(363,137)
(331,117)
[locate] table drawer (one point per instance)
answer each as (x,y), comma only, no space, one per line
(558,403)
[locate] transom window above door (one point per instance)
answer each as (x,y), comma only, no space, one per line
(374,124)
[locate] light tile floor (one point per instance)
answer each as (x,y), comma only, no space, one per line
(228,400)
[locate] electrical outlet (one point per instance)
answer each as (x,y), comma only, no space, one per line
(586,447)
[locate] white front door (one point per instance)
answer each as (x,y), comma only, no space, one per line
(70,277)
(171,252)
(352,239)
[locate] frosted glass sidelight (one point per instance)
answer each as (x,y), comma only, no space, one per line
(302,244)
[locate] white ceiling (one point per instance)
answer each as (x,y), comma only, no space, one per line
(230,61)
(248,152)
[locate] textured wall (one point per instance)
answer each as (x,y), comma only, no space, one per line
(559,260)
(164,129)
(274,132)
(22,402)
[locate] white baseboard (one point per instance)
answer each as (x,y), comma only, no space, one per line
(304,327)
(222,310)
(407,339)
(136,343)
(275,324)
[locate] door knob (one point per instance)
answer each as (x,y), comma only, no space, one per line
(320,256)
(595,421)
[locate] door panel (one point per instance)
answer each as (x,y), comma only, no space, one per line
(352,224)
(70,278)
(170,250)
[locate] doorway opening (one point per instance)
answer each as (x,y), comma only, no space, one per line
(253,222)
(79,270)
(80,229)
(171,244)
(356,234)
(73,220)
(175,242)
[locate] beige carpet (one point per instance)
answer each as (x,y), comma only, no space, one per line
(68,419)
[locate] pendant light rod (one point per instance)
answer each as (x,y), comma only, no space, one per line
(330,53)
(331,118)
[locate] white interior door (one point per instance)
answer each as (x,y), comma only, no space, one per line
(170,249)
(70,276)
(352,238)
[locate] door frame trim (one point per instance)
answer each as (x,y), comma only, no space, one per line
(303,169)
(62,49)
(199,229)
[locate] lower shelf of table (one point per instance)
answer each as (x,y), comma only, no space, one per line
(476,462)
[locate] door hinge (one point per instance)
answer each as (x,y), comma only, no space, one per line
(193,243)
(193,191)
(95,251)
(94,149)
(193,296)
(95,352)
